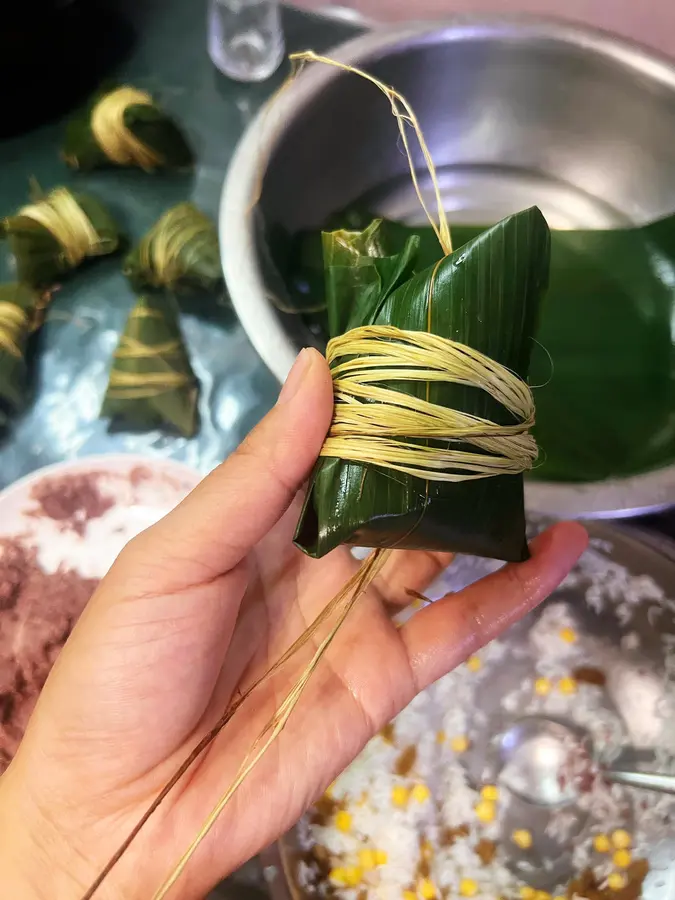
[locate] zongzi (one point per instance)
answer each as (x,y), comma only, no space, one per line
(485,297)
(180,252)
(56,233)
(124,127)
(151,383)
(19,312)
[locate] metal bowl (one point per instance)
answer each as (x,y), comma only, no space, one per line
(516,111)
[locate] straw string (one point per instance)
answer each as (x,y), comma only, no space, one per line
(124,385)
(63,217)
(118,143)
(13,322)
(162,251)
(378,425)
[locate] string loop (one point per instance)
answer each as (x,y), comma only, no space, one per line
(13,321)
(379,426)
(63,217)
(118,143)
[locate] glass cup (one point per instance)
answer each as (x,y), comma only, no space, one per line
(245,38)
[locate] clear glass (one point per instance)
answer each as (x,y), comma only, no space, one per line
(246,40)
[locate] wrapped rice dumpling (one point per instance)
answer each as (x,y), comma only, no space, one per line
(180,252)
(56,233)
(124,127)
(19,309)
(151,382)
(485,295)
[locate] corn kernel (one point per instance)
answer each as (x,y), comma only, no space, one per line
(409,895)
(522,838)
(459,744)
(367,860)
(621,839)
(542,895)
(399,795)
(440,737)
(542,686)
(353,875)
(568,635)
(468,887)
(473,663)
(485,810)
(337,876)
(381,857)
(622,859)
(567,686)
(527,892)
(420,793)
(426,889)
(601,843)
(343,821)
(616,881)
(490,792)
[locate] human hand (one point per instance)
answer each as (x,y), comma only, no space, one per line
(193,611)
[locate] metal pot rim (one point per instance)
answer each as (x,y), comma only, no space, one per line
(650,492)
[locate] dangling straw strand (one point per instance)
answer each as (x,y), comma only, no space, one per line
(404,116)
(210,737)
(368,571)
(377,426)
(118,143)
(63,217)
(13,321)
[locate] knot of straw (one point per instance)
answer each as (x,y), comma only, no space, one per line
(125,385)
(65,220)
(13,321)
(379,425)
(118,143)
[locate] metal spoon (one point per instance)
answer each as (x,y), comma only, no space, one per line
(551,762)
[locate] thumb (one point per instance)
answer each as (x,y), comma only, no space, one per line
(235,506)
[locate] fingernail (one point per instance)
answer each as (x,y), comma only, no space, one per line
(296,376)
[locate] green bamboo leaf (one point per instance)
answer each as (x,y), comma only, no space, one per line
(486,295)
(606,364)
(151,383)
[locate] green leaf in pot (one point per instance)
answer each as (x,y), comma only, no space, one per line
(124,127)
(485,295)
(151,382)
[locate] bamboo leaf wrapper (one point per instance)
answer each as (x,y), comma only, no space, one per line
(485,295)
(180,252)
(19,306)
(151,383)
(124,127)
(53,235)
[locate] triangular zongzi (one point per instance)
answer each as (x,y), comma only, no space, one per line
(56,233)
(124,127)
(180,252)
(151,382)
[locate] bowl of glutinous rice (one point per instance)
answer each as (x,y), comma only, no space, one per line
(516,112)
(423,813)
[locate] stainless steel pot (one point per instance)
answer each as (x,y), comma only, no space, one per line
(515,110)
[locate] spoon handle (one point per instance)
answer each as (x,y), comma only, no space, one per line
(664,784)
